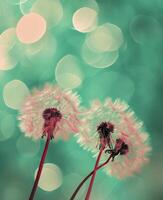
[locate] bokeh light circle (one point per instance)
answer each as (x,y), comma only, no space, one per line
(51,177)
(14,93)
(43,49)
(7,125)
(99,59)
(7,43)
(84,19)
(51,10)
(8,37)
(68,73)
(7,60)
(31,28)
(107,37)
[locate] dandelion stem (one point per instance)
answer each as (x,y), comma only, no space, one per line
(87,177)
(40,169)
(94,174)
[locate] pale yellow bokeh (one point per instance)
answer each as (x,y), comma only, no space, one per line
(8,37)
(31,28)
(51,177)
(107,37)
(99,59)
(7,43)
(51,10)
(85,19)
(7,61)
(68,73)
(14,93)
(47,45)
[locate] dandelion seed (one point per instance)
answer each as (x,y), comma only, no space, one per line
(50,113)
(116,130)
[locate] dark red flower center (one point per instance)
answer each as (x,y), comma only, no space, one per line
(120,148)
(105,129)
(50,113)
(51,116)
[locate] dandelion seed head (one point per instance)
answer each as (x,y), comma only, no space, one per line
(127,129)
(46,103)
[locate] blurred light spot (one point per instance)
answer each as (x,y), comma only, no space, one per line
(7,125)
(14,93)
(7,60)
(146,30)
(34,48)
(84,19)
(7,42)
(44,48)
(27,147)
(68,73)
(51,10)
(99,59)
(8,37)
(31,28)
(107,37)
(51,177)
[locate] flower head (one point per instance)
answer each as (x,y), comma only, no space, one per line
(115,126)
(50,110)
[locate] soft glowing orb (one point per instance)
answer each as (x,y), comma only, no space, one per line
(31,28)
(14,93)
(84,19)
(26,147)
(107,37)
(51,10)
(7,125)
(51,177)
(44,49)
(7,60)
(8,37)
(7,43)
(68,73)
(99,59)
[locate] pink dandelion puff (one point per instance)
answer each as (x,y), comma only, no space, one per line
(112,129)
(51,113)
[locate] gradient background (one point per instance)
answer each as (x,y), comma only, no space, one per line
(136,77)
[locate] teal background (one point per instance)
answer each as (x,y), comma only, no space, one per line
(141,62)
